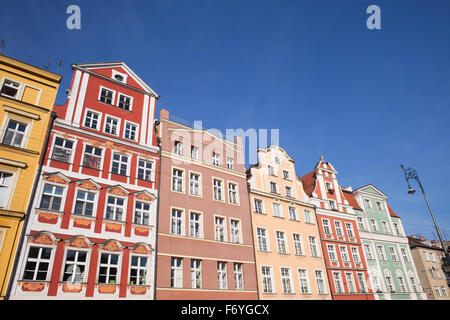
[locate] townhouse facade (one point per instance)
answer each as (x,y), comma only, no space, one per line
(289,259)
(205,245)
(429,259)
(27,96)
(91,233)
(342,248)
(392,271)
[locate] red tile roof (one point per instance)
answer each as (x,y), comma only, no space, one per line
(392,212)
(309,182)
(351,199)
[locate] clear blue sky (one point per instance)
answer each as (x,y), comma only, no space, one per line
(367,100)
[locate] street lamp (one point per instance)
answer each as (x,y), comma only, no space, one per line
(410,173)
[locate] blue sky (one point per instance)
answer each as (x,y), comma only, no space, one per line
(367,100)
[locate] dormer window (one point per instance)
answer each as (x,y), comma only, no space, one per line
(122,77)
(329,187)
(118,77)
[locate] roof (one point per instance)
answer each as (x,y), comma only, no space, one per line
(351,199)
(392,214)
(309,182)
(415,242)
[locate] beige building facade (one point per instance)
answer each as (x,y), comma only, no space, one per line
(289,260)
(428,260)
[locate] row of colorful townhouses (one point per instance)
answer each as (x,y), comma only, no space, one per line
(100,200)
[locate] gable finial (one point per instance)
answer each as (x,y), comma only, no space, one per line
(321,158)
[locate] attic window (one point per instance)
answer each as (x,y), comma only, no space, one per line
(118,77)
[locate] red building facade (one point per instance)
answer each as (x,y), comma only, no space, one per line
(91,233)
(205,246)
(341,244)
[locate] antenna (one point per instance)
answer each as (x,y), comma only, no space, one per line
(2,45)
(59,65)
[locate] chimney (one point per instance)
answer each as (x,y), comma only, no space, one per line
(164,114)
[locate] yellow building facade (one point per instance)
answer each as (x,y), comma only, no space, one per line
(27,96)
(288,250)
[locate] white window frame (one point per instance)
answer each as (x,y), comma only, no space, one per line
(108,265)
(195,184)
(38,260)
(263,243)
(222,277)
(145,169)
(139,268)
(176,272)
(99,120)
(94,202)
(286,280)
(75,264)
(100,95)
(267,279)
(115,206)
(303,279)
(118,101)
(142,212)
(282,246)
(298,244)
(179,180)
(238,276)
(107,117)
(220,230)
(136,132)
(196,273)
(177,223)
(121,163)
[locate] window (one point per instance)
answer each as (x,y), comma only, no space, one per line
(326,226)
(38,263)
(349,228)
(115,208)
(438,291)
(124,102)
(375,281)
(313,246)
(329,185)
(238,276)
(432,257)
(108,268)
(321,289)
(444,292)
(392,254)
(258,206)
(142,213)
(385,226)
(355,254)
(271,171)
(196,273)
(288,191)
(298,245)
(273,187)
(293,214)
(367,204)
(350,282)
(92,120)
(331,252)
(267,279)
(106,96)
(194,184)
(176,273)
(178,148)
(338,282)
(14,134)
(235,231)
(10,88)
(333,205)
(276,210)
(145,170)
(360,223)
(217,185)
(119,164)
(62,150)
(381,253)
(379,206)
(338,228)
(344,253)
(222,275)
(194,152)
(92,157)
(426,256)
(404,254)
(308,216)
(219,224)
(5,184)
(216,159)
(75,266)
(112,126)
(130,131)
(286,174)
(194,225)
(368,252)
(262,239)
(361,282)
(397,229)
(286,280)
(373,225)
(281,241)
(277,160)
(138,270)
(401,282)
(177,180)
(232,193)
(84,204)
(176,224)
(303,279)
(230,163)
(389,284)
(51,197)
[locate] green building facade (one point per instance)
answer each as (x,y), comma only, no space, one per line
(391,268)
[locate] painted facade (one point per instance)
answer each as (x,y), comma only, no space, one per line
(428,260)
(27,95)
(91,233)
(391,268)
(289,258)
(341,243)
(205,245)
